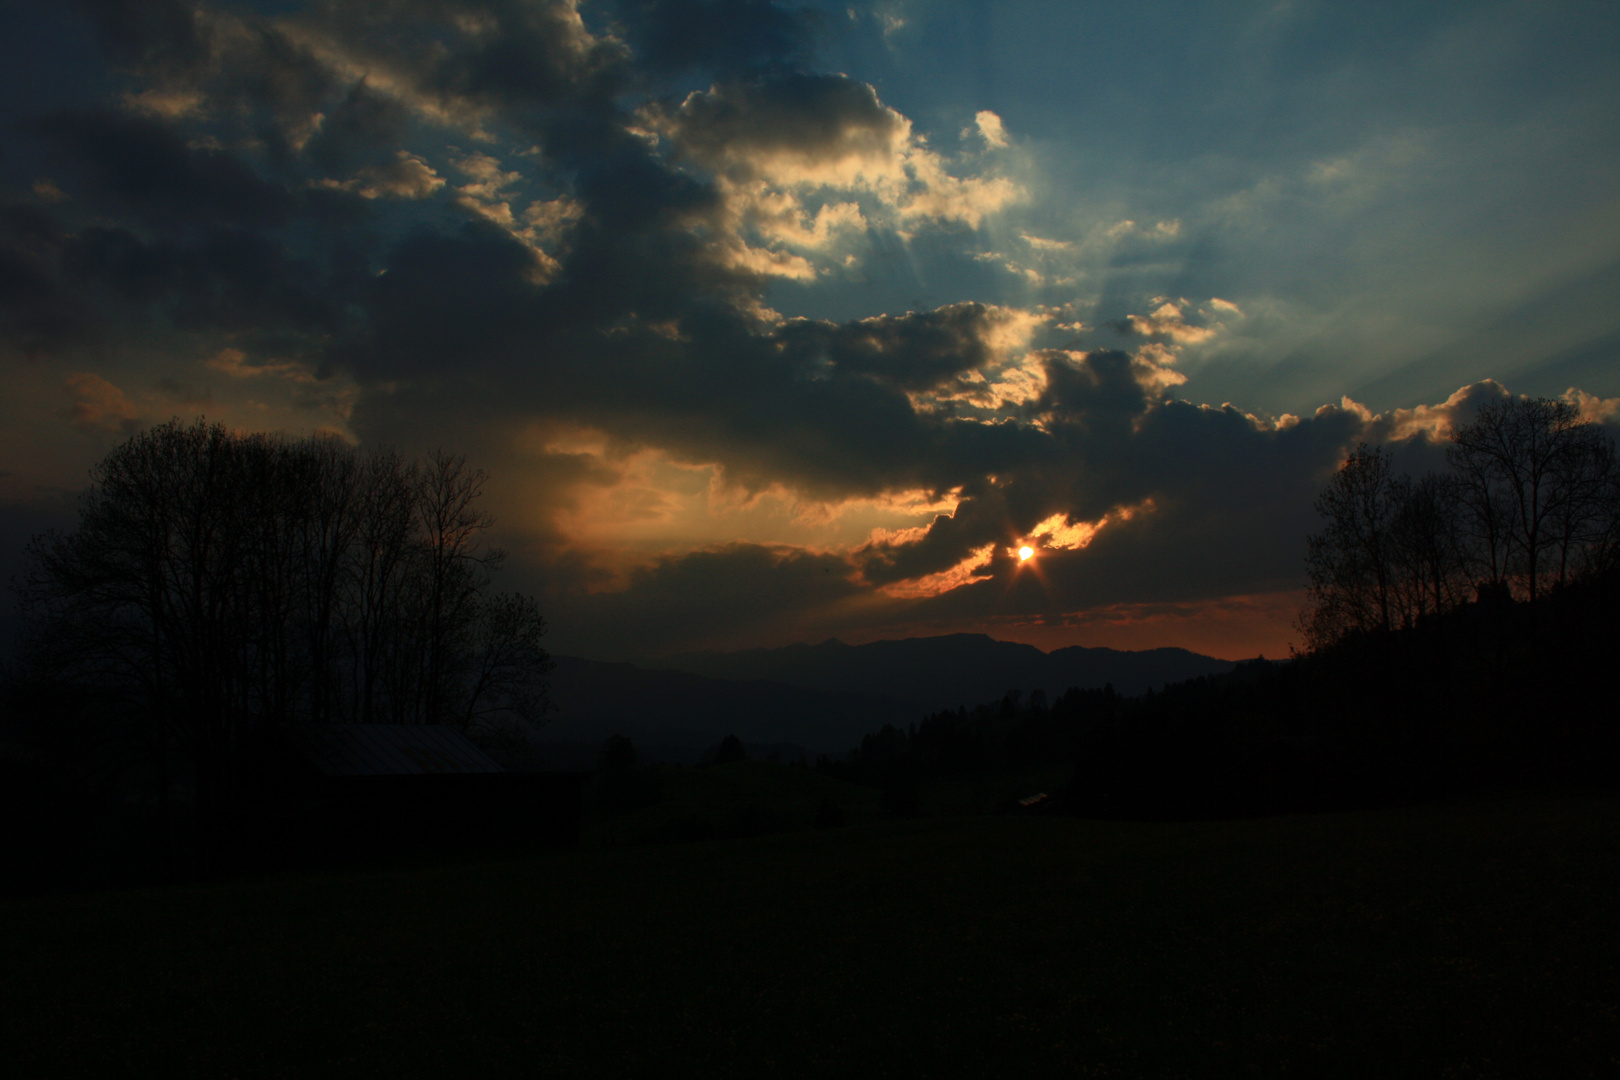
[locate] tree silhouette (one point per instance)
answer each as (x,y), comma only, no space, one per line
(1429,549)
(730,749)
(1537,490)
(217,583)
(1351,563)
(618,755)
(1533,496)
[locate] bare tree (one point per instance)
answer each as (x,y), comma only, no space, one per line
(377,594)
(1533,497)
(1430,561)
(326,540)
(1602,552)
(217,583)
(454,567)
(501,685)
(1532,478)
(1351,563)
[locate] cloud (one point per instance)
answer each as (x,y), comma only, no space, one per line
(718,36)
(1152,510)
(233,362)
(914,351)
(1043,244)
(989,128)
(1167,321)
(1352,180)
(1124,474)
(1435,423)
(791,137)
(975,565)
(1060,533)
(230,281)
(1591,408)
(406,177)
(154,34)
(453,222)
(39,314)
(141,167)
(97,404)
(718,597)
(798,129)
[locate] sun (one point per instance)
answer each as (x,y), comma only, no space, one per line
(1026,553)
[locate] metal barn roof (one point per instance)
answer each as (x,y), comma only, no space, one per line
(388,749)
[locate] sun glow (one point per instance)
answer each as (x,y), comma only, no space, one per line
(1026,553)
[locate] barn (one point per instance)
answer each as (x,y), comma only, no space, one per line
(325,793)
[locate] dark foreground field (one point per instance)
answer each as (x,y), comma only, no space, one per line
(1469,940)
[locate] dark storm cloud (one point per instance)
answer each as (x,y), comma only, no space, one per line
(231,280)
(37,313)
(464,298)
(507,54)
(806,404)
(1098,391)
(60,285)
(517,54)
(228,66)
(1216,491)
(1223,506)
(687,600)
(154,34)
(638,248)
(816,119)
(144,168)
(812,403)
(722,37)
(493,215)
(914,351)
(365,128)
(1089,412)
(820,405)
(302,85)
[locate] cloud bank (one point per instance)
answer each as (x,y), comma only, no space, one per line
(572,241)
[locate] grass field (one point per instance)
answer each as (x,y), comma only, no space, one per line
(1467,940)
(744,798)
(752,798)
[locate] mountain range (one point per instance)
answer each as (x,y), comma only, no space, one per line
(952,670)
(822,698)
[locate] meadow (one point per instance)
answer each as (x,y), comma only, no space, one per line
(754,798)
(1471,939)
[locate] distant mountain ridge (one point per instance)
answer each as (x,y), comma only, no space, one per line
(675,715)
(823,697)
(948,671)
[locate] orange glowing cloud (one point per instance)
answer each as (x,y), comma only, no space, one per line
(1059,533)
(98,404)
(623,506)
(963,573)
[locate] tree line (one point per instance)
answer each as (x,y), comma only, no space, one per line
(1530,502)
(220,582)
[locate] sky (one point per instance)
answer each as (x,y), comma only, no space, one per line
(774,322)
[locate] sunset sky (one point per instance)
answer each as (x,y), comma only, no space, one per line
(779,322)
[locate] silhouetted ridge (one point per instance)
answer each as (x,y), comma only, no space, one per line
(664,710)
(950,670)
